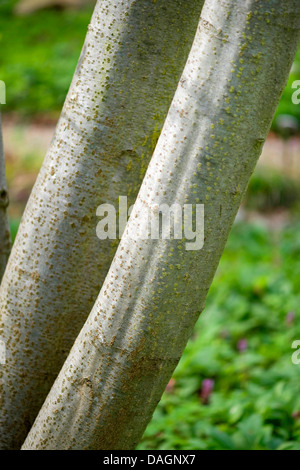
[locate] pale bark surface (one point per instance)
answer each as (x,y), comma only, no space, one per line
(5,241)
(153,294)
(127,74)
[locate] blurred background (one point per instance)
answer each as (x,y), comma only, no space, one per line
(236,386)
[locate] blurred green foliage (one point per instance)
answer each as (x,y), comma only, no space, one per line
(255,403)
(14,225)
(286,106)
(269,189)
(39,53)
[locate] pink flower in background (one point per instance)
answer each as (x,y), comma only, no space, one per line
(289,319)
(242,345)
(171,385)
(206,390)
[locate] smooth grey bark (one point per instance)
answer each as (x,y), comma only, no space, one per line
(155,289)
(127,74)
(5,240)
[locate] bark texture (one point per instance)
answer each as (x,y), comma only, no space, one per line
(5,241)
(132,59)
(155,289)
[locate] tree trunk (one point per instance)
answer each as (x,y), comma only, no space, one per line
(127,74)
(155,289)
(5,241)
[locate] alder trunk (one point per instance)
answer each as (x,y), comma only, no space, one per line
(5,241)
